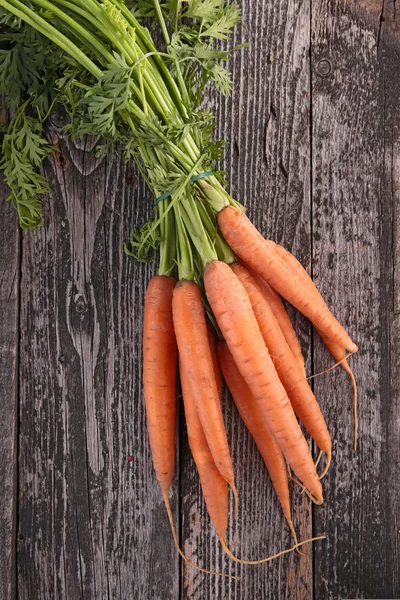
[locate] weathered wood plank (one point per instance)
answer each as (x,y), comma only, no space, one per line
(92,524)
(355,124)
(9,297)
(266,123)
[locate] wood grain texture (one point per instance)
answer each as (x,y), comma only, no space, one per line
(355,124)
(266,123)
(313,131)
(92,524)
(9,294)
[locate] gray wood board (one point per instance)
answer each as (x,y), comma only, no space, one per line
(355,192)
(91,522)
(313,153)
(9,293)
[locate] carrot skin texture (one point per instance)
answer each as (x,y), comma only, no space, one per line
(197,367)
(159,375)
(282,317)
(290,373)
(253,418)
(260,254)
(338,352)
(214,486)
(234,314)
(213,349)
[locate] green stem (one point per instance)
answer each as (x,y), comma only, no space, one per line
(184,254)
(162,22)
(34,20)
(154,95)
(167,39)
(222,249)
(167,241)
(159,99)
(130,51)
(148,45)
(81,32)
(214,193)
(197,232)
(175,198)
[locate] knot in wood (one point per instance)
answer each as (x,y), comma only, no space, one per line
(80,306)
(324,67)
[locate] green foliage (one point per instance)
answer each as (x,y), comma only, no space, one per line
(107,99)
(137,99)
(144,242)
(20,62)
(142,9)
(24,149)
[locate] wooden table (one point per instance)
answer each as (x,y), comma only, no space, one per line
(313,131)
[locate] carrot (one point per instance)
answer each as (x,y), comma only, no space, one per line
(197,366)
(289,371)
(234,314)
(253,418)
(214,486)
(295,264)
(337,351)
(212,342)
(159,377)
(281,316)
(261,255)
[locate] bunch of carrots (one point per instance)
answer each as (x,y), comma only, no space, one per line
(255,346)
(97,60)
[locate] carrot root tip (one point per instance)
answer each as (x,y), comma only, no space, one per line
(293,531)
(180,551)
(355,415)
(332,367)
(317,500)
(328,464)
(268,558)
(235,501)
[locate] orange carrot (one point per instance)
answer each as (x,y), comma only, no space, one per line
(214,486)
(337,351)
(159,376)
(197,366)
(253,418)
(290,373)
(282,317)
(212,342)
(234,314)
(261,255)
(295,264)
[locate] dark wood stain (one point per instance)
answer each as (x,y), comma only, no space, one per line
(355,150)
(9,307)
(313,127)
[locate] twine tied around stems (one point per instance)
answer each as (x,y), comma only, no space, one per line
(193,179)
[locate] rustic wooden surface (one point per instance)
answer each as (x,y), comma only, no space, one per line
(9,307)
(314,131)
